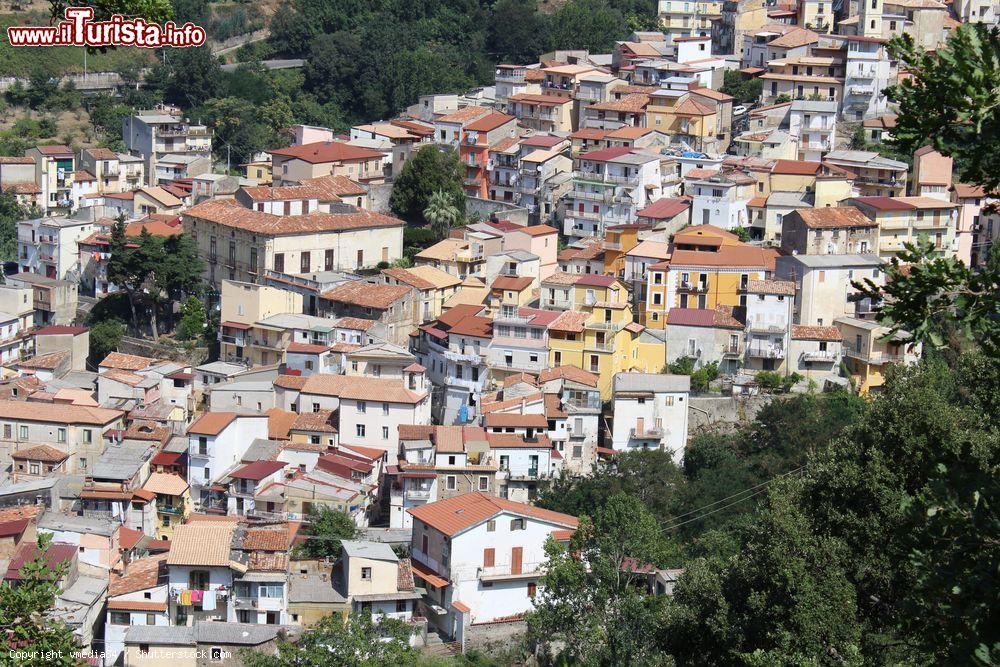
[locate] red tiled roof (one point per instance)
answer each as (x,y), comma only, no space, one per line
(257,470)
(328,151)
(664,208)
(454,515)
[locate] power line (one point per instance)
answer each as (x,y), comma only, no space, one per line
(757,490)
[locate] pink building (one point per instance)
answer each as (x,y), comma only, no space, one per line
(540,240)
(931,174)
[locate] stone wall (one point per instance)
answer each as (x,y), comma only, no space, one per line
(713,413)
(503,210)
(494,637)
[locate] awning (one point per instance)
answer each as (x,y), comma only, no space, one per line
(236,325)
(422,571)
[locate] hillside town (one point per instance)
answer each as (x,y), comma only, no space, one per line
(638,258)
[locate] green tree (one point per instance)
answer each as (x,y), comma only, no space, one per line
(429,171)
(357,642)
(441,214)
(325,530)
(10,213)
(130,265)
(926,292)
(742,232)
(593,25)
(105,337)
(949,100)
(593,599)
(743,89)
(516,31)
(193,319)
(24,612)
(192,77)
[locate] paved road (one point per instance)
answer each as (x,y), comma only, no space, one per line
(271,64)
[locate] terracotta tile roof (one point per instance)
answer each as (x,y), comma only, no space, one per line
(570,320)
(444,250)
(328,151)
(562,278)
(513,419)
(964,191)
(404,575)
(260,561)
(505,144)
(538,230)
(13,159)
(139,575)
(360,388)
(166,483)
(629,132)
(278,423)
(355,323)
(455,515)
(630,103)
(727,256)
(568,372)
(665,208)
(692,107)
(306,348)
(102,153)
(257,470)
(48,361)
(336,185)
(416,431)
(321,421)
(803,332)
(206,544)
(514,283)
(126,362)
(795,38)
(21,512)
(290,381)
(516,441)
(271,538)
(287,192)
(712,94)
(542,100)
(367,295)
(494,405)
(228,213)
(136,605)
(60,413)
(542,140)
(404,276)
(211,423)
(489,122)
(475,326)
(796,167)
(592,248)
(464,115)
(25,188)
(125,377)
(57,149)
(834,217)
(436,277)
(590,133)
(43,453)
(517,378)
(775,287)
(553,407)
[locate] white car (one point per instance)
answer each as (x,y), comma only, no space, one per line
(739,110)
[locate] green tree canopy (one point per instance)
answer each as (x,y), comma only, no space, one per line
(326,528)
(428,171)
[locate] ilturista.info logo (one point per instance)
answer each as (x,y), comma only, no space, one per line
(79,29)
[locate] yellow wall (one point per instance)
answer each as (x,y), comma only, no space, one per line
(831,191)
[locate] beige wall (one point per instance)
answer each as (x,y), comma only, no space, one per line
(161,656)
(247,303)
(383,576)
(294,170)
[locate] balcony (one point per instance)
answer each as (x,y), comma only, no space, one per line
(827,356)
(231,340)
(170,509)
(510,318)
(594,346)
(766,351)
(557,304)
(873,357)
(465,383)
(47,238)
(521,366)
(591,196)
(525,475)
(586,215)
(688,286)
(732,350)
(507,571)
(593,402)
(647,433)
(761,328)
(417,494)
(463,357)
(472,182)
(877,180)
(605,326)
(111,172)
(861,89)
(266,344)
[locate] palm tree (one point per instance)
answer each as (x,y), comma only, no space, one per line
(441,213)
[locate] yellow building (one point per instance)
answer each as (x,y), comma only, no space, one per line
(544,113)
(258,171)
(867,352)
(618,240)
(597,332)
(173,501)
(680,18)
(243,304)
(511,291)
(708,267)
(681,114)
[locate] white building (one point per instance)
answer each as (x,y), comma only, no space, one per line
(152,135)
(480,557)
(217,441)
(610,186)
(48,246)
(200,572)
(814,126)
(769,318)
(721,199)
(136,597)
(868,72)
(823,285)
(651,411)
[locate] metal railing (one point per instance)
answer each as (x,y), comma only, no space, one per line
(766,351)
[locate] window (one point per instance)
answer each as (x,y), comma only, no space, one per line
(279,262)
(119,618)
(23,432)
(400,606)
(484,483)
(8,431)
(362,407)
(304,262)
(315,407)
(385,432)
(150,619)
(366,574)
(328,260)
(385,409)
(532,589)
(517,524)
(143,648)
(360,430)
(577,451)
(491,526)
(450,482)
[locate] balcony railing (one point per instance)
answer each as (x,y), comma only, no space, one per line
(605,326)
(506,571)
(599,347)
(688,286)
(820,355)
(591,196)
(510,318)
(417,494)
(463,357)
(871,356)
(232,340)
(732,350)
(647,433)
(768,328)
(766,351)
(170,509)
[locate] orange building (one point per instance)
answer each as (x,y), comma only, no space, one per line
(477,139)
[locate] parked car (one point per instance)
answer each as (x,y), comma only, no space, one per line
(739,110)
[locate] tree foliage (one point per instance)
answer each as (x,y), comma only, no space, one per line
(10,213)
(948,100)
(105,337)
(745,90)
(441,214)
(429,171)
(328,527)
(24,612)
(357,642)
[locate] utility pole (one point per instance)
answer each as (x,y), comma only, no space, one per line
(228,147)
